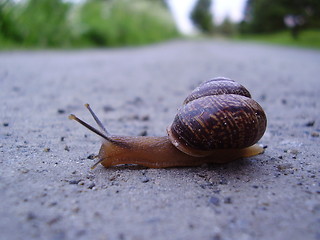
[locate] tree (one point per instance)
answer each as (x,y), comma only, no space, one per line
(44,23)
(201,16)
(8,30)
(264,16)
(227,27)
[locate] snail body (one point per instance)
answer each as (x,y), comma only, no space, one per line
(218,123)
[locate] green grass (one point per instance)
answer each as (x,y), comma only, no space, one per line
(307,38)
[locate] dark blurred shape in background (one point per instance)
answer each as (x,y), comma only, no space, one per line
(268,16)
(201,16)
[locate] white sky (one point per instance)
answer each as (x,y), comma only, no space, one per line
(221,8)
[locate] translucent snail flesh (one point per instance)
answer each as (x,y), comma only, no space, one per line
(219,122)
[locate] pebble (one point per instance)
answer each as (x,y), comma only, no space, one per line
(223,181)
(91,156)
(46,149)
(74,181)
(293,151)
(31,216)
(54,220)
(281,167)
(310,123)
(228,200)
(145,118)
(136,101)
(145,179)
(61,111)
(143,133)
(215,201)
(108,108)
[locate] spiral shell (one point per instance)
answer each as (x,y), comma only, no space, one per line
(219,114)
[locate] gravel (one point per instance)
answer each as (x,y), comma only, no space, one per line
(48,190)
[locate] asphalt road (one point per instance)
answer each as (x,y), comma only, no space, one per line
(48,190)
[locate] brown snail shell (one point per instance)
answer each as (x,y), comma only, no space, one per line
(219,114)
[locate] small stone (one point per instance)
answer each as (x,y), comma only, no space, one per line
(91,156)
(145,179)
(81,232)
(24,170)
(283,167)
(145,118)
(263,97)
(54,220)
(31,216)
(136,101)
(61,111)
(315,134)
(46,149)
(216,237)
(62,139)
(228,200)
(134,117)
(310,123)
(53,204)
(16,89)
(215,201)
(92,185)
(67,148)
(75,210)
(108,108)
(143,133)
(5,124)
(223,181)
(121,236)
(75,181)
(293,151)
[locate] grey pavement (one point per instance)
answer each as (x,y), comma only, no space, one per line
(48,190)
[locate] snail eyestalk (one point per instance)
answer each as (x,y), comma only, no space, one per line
(108,138)
(96,119)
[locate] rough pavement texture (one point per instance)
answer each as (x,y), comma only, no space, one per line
(49,192)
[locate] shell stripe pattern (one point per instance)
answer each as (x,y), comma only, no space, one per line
(217,87)
(220,121)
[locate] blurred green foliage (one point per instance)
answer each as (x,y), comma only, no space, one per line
(57,23)
(227,28)
(115,23)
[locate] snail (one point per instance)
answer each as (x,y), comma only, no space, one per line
(219,122)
